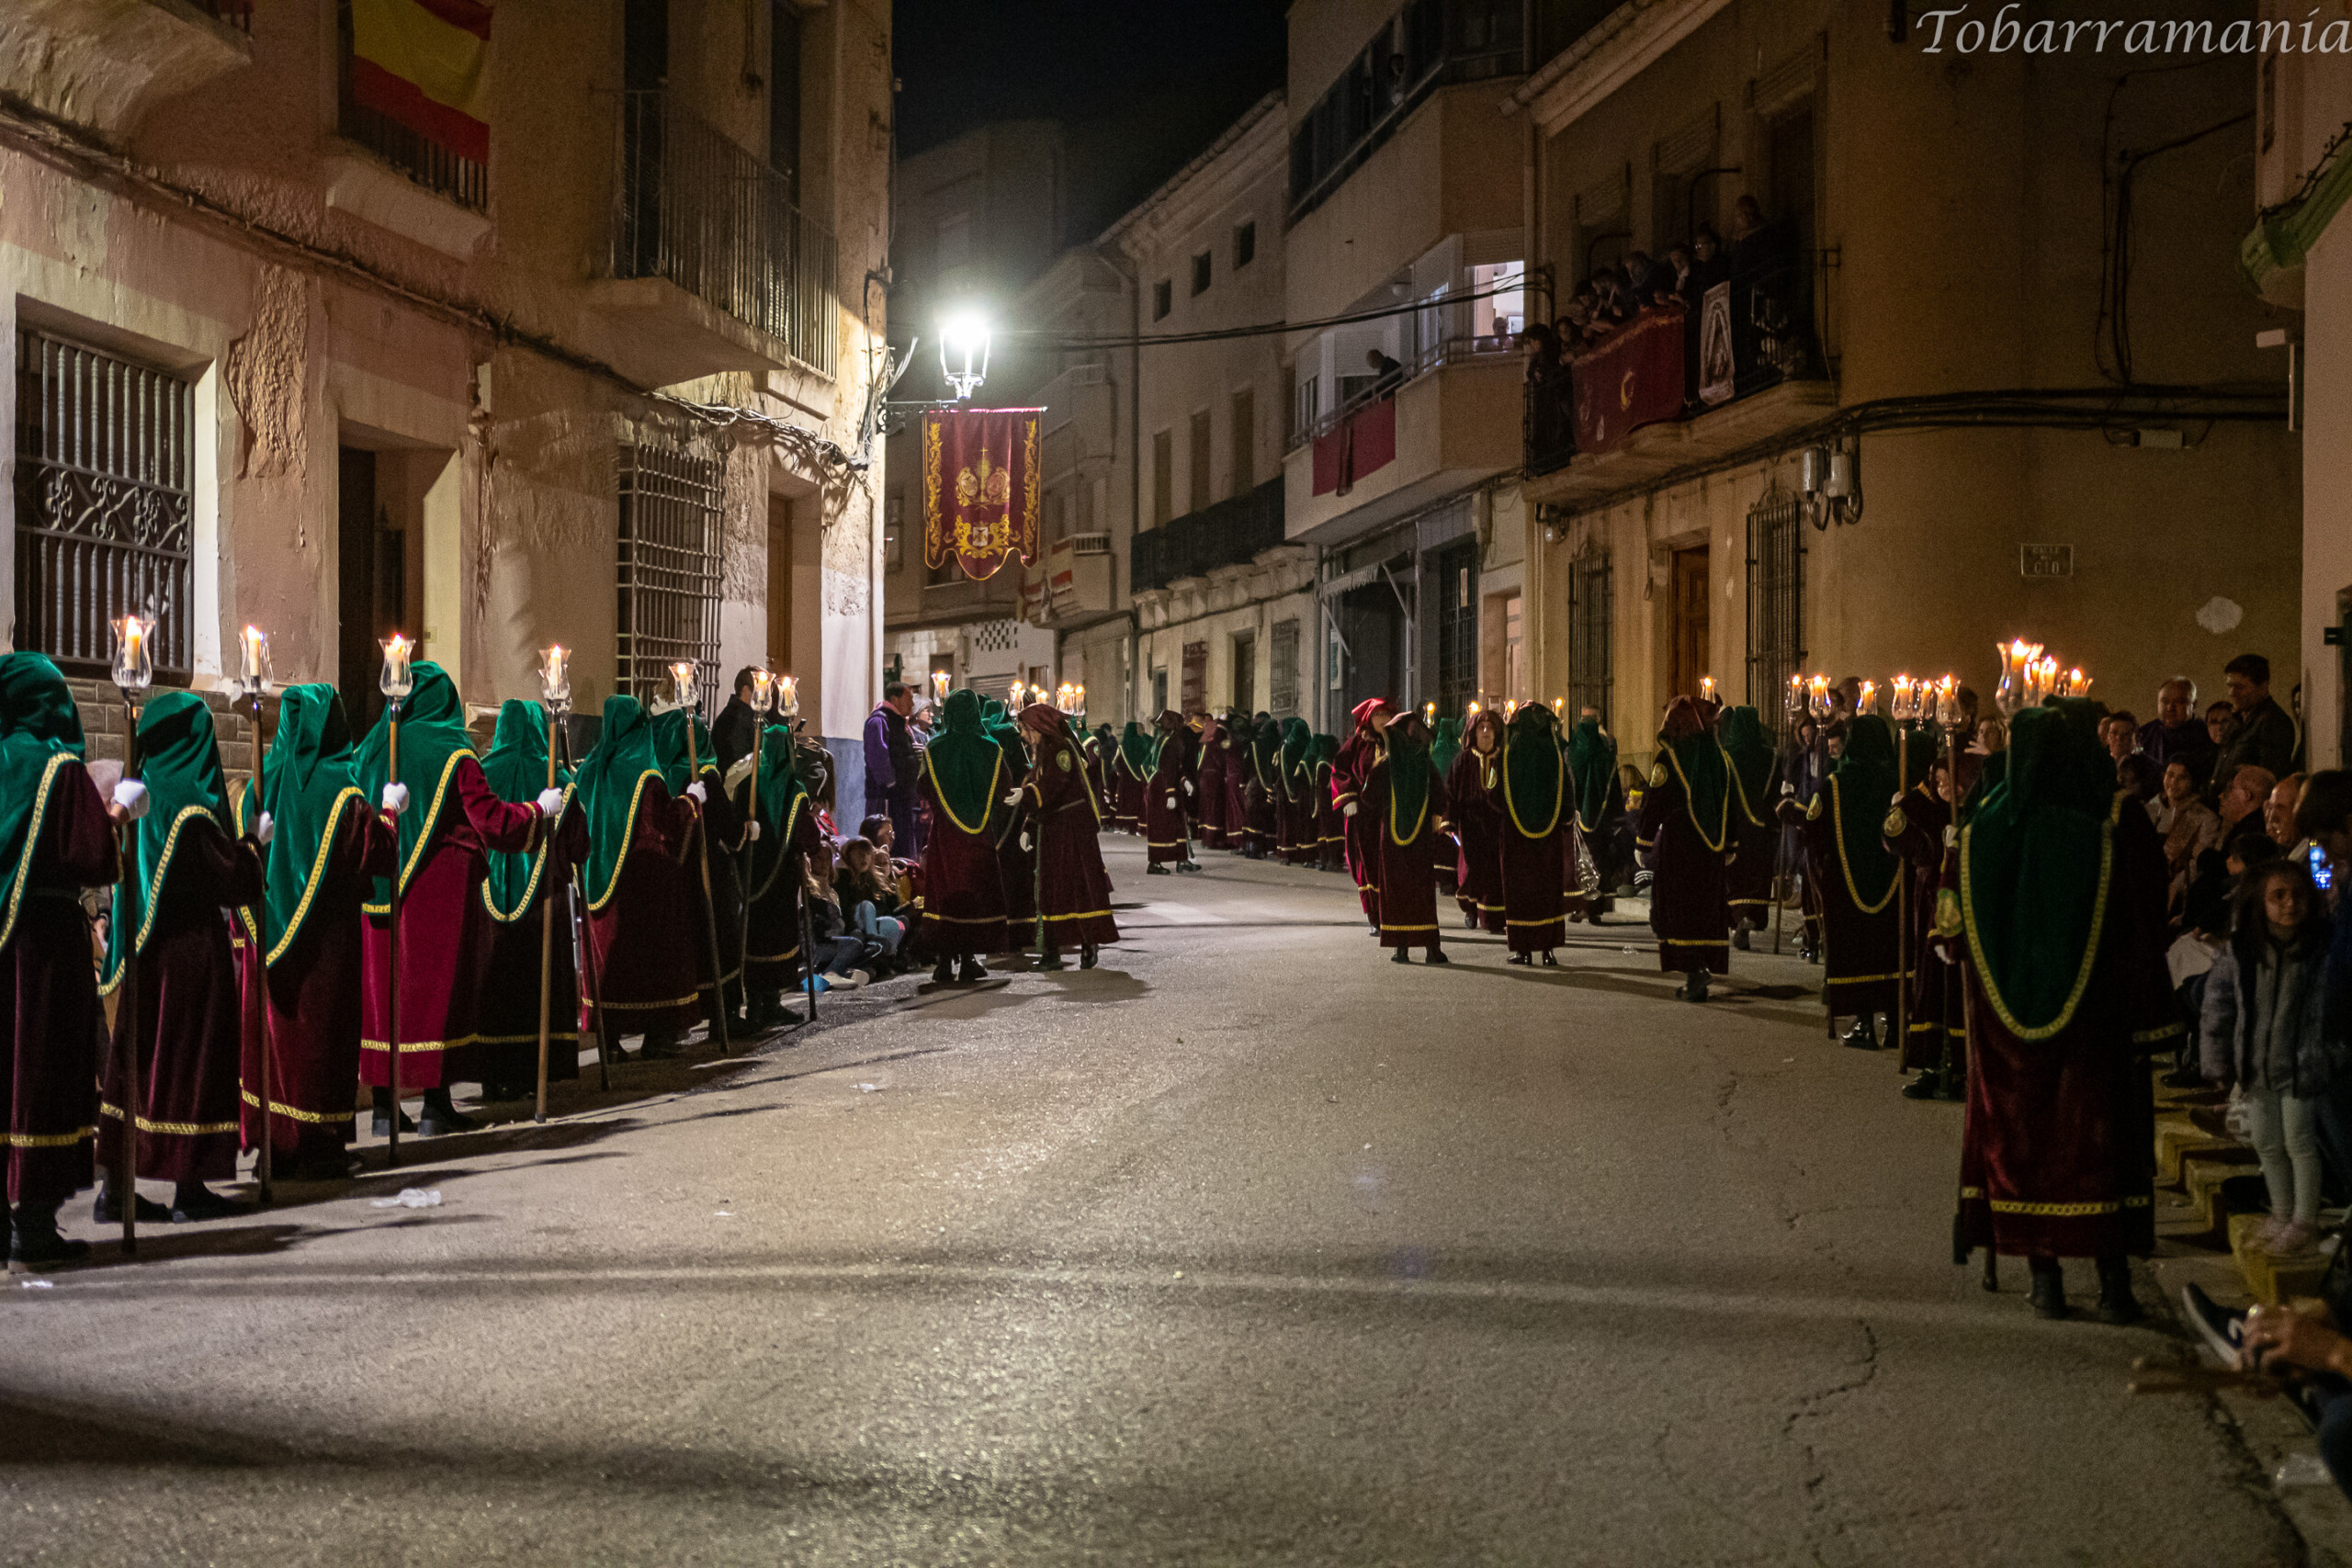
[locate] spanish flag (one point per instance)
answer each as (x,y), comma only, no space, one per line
(425,64)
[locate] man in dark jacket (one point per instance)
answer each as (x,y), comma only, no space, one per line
(890,766)
(2177,734)
(739,723)
(2266,736)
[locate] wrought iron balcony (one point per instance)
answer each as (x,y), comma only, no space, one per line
(1228,534)
(692,206)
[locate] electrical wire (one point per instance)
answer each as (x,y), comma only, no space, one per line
(1536,281)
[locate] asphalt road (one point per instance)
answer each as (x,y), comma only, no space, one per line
(1247,1246)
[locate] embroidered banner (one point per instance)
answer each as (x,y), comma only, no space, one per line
(424,64)
(979,488)
(1633,378)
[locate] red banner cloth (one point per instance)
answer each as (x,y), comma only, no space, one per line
(1358,445)
(979,488)
(1633,378)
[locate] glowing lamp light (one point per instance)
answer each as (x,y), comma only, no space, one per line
(1706,688)
(1868,701)
(762,691)
(963,353)
(1559,708)
(555,676)
(2077,683)
(1795,699)
(1818,691)
(1510,709)
(397,680)
(1907,699)
(681,683)
(1474,711)
(2017,668)
(134,651)
(1948,712)
(939,679)
(253,658)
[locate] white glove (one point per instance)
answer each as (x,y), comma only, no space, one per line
(131,795)
(754,829)
(550,803)
(264,829)
(1188,786)
(1027,842)
(1013,797)
(1349,809)
(698,792)
(1172,803)
(395,798)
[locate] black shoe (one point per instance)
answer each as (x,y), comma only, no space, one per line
(1694,987)
(1551,960)
(2117,1304)
(1402,956)
(1862,1036)
(441,1117)
(1188,865)
(150,1212)
(657,1046)
(193,1201)
(1086,954)
(1521,959)
(943,972)
(1926,1085)
(2048,1294)
(973,971)
(34,1243)
(381,1125)
(1470,922)
(2223,1330)
(497,1092)
(1049,959)
(1155,870)
(1739,938)
(1437,956)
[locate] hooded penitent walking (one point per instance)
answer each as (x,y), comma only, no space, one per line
(1237,780)
(2061,907)
(174,1070)
(328,843)
(1073,890)
(1295,794)
(1756,825)
(643,927)
(1445,748)
(1404,797)
(1529,796)
(518,888)
(1843,834)
(1168,845)
(1211,781)
(1360,832)
(788,836)
(964,774)
(1016,844)
(1600,805)
(1685,830)
(1478,821)
(55,840)
(715,843)
(1132,767)
(1935,1043)
(1330,841)
(451,823)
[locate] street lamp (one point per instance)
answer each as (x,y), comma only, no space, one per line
(963,353)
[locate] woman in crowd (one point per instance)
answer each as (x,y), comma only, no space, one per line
(1404,798)
(1855,875)
(446,840)
(1074,891)
(964,774)
(2189,827)
(870,902)
(1685,831)
(172,1074)
(1529,793)
(641,925)
(1478,819)
(327,845)
(56,838)
(2061,902)
(520,888)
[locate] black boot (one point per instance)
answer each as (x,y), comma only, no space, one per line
(1050,958)
(382,1123)
(1521,959)
(1694,987)
(2048,1294)
(972,971)
(33,1240)
(943,972)
(1401,956)
(1155,870)
(441,1117)
(1470,922)
(1862,1036)
(656,1044)
(1086,952)
(1551,960)
(1926,1085)
(1437,956)
(193,1201)
(1739,938)
(104,1212)
(2116,1302)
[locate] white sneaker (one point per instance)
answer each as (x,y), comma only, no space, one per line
(852,980)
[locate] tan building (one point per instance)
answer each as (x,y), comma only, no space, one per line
(2022,421)
(283,360)
(1406,267)
(2300,256)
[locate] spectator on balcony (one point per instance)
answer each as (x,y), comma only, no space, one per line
(1754,240)
(1640,274)
(1387,375)
(1540,344)
(1671,284)
(1708,265)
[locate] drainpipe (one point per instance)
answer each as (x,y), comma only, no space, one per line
(1135,461)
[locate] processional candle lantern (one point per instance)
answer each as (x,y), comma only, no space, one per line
(2016,657)
(1706,688)
(1867,702)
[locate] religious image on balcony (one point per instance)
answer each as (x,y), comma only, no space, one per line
(979,488)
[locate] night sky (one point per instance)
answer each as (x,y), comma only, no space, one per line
(1142,86)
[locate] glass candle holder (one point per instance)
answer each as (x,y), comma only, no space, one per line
(555,676)
(253,656)
(134,651)
(397,680)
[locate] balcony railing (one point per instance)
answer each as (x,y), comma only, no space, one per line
(435,167)
(692,206)
(1228,534)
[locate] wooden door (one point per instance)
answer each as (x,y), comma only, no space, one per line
(779,643)
(1690,607)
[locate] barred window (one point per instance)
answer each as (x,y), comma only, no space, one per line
(1775,602)
(104,503)
(669,568)
(1282,701)
(1589,673)
(1456,570)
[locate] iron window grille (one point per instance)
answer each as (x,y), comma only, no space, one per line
(1281,701)
(1457,627)
(1590,675)
(669,569)
(105,503)
(1775,602)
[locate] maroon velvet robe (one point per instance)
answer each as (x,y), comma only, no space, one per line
(1933,1000)
(720,909)
(1756,844)
(1165,840)
(1860,952)
(508,1040)
(1017,872)
(1130,788)
(1478,819)
(962,885)
(642,941)
(2058,1150)
(1534,901)
(1357,832)
(1212,802)
(1688,912)
(50,1015)
(313,1002)
(1076,890)
(1330,841)
(773,960)
(445,939)
(1408,871)
(1236,795)
(189,1017)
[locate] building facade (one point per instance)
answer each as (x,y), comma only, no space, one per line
(602,377)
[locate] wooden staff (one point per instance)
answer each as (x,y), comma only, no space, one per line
(1902,907)
(392,951)
(709,907)
(751,864)
(262,1169)
(546,940)
(127,1009)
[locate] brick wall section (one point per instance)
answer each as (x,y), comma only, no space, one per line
(102,726)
